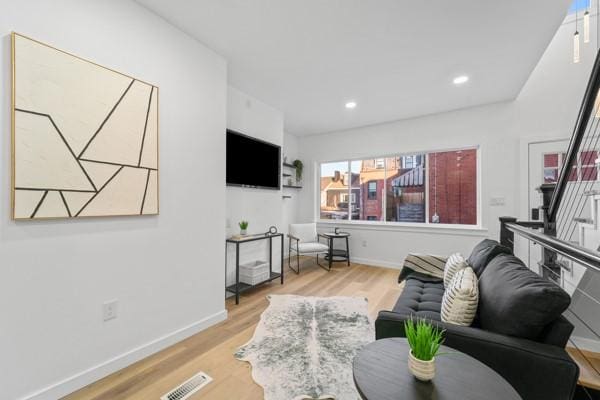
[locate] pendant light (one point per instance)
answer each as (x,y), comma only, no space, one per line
(586,26)
(576,47)
(576,39)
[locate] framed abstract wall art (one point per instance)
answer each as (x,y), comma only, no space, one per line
(84,137)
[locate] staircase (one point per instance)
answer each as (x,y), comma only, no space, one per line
(568,238)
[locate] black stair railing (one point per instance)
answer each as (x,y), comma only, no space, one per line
(564,260)
(582,126)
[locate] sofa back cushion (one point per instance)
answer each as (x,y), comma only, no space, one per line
(483,253)
(515,301)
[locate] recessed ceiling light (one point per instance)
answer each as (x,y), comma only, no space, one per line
(351,104)
(459,80)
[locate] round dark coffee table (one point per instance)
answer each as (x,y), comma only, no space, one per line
(381,373)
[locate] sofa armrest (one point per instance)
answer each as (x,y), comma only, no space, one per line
(426,264)
(535,370)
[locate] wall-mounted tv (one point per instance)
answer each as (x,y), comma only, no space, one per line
(252,162)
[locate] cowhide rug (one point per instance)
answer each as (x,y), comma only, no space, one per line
(303,347)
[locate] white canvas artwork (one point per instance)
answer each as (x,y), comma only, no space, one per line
(85,138)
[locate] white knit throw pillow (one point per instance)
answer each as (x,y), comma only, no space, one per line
(459,304)
(455,263)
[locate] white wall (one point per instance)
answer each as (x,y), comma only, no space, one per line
(166,271)
(547,107)
(262,208)
(290,205)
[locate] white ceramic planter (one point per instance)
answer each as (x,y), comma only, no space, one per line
(422,370)
(242,232)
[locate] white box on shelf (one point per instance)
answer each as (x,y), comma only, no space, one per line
(254,272)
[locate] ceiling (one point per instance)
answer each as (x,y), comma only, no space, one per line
(395,58)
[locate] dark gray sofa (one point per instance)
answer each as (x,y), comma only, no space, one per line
(519,330)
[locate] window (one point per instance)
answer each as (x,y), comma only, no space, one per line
(352,197)
(405,191)
(372,191)
(585,169)
(579,5)
(426,188)
(587,165)
(551,167)
(453,187)
(334,184)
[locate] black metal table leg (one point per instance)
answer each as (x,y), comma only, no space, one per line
(347,251)
(282,239)
(237,273)
(330,252)
(270,256)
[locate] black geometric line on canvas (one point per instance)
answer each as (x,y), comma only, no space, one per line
(105,119)
(145,191)
(65,203)
(117,164)
(145,126)
(98,192)
(39,204)
(63,139)
(55,190)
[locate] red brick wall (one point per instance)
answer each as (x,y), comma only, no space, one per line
(371,207)
(456,186)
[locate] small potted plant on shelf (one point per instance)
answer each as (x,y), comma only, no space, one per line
(424,341)
(299,166)
(243,226)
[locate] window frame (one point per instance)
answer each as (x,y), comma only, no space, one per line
(345,198)
(384,223)
(369,191)
(578,167)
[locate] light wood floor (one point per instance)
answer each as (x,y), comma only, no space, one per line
(212,350)
(589,365)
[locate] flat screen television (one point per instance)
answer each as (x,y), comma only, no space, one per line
(252,162)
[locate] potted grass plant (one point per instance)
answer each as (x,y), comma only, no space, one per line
(424,341)
(243,226)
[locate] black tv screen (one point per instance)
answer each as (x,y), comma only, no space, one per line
(252,162)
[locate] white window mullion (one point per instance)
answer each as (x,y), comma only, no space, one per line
(349,190)
(426,182)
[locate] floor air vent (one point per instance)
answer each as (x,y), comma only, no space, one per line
(188,388)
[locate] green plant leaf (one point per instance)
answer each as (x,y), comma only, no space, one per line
(423,338)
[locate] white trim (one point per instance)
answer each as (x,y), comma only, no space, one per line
(586,343)
(378,263)
(99,371)
(425,228)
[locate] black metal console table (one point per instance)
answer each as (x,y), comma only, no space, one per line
(240,287)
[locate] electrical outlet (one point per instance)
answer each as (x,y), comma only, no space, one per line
(497,201)
(364,243)
(109,310)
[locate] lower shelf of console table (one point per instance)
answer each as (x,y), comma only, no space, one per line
(239,287)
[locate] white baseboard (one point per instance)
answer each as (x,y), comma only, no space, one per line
(377,263)
(586,344)
(84,378)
